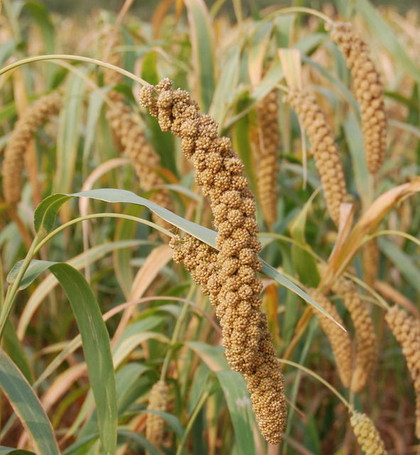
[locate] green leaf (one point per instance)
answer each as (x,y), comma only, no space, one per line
(36,267)
(202,44)
(97,351)
(27,406)
(225,87)
(239,404)
(96,101)
(10,451)
(78,262)
(113,195)
(68,133)
(15,349)
(303,261)
(236,394)
(139,439)
(354,137)
(46,212)
(402,261)
(200,232)
(41,16)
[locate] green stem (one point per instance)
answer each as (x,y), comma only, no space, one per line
(175,335)
(77,58)
(101,215)
(13,290)
(193,417)
(300,9)
(318,378)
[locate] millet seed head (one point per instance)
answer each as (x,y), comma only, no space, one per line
(339,340)
(406,330)
(367,87)
(367,435)
(324,150)
(39,112)
(246,337)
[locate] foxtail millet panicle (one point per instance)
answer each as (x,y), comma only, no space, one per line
(110,39)
(127,131)
(145,161)
(367,87)
(406,330)
(233,285)
(36,114)
(339,340)
(158,401)
(367,435)
(266,141)
(323,147)
(364,330)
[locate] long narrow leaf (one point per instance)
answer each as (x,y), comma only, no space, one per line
(201,39)
(97,351)
(27,406)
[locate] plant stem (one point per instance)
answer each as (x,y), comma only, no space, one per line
(175,335)
(13,290)
(318,378)
(77,58)
(193,417)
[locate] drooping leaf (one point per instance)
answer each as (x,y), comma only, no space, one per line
(97,351)
(27,406)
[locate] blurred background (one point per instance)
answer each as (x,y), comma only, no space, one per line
(145,8)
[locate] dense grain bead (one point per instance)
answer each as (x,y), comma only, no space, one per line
(128,132)
(158,401)
(230,274)
(367,435)
(339,340)
(406,330)
(364,329)
(266,141)
(36,114)
(323,148)
(130,136)
(368,89)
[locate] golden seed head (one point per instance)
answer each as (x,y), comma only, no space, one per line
(158,401)
(364,329)
(406,330)
(367,435)
(339,340)
(230,273)
(266,141)
(38,113)
(367,87)
(131,139)
(325,152)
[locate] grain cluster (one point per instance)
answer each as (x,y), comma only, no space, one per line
(266,141)
(364,330)
(129,134)
(367,435)
(406,330)
(323,148)
(38,113)
(338,338)
(367,87)
(233,284)
(158,401)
